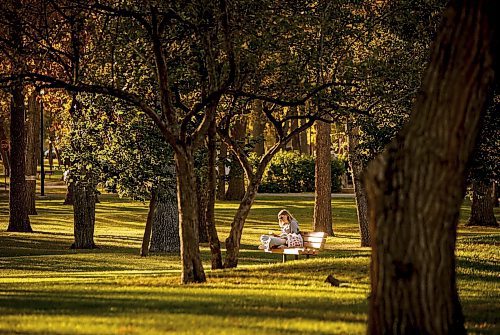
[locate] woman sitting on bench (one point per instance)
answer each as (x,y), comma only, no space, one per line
(289,236)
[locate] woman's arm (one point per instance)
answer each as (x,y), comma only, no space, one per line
(294,227)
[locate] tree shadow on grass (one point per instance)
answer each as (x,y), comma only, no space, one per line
(231,302)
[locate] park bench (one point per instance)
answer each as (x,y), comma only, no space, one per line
(314,242)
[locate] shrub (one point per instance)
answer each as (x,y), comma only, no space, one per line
(290,171)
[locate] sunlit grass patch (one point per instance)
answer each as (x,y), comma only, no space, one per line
(47,288)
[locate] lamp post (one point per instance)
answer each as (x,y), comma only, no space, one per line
(42,171)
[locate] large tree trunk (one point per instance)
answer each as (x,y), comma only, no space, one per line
(417,185)
(358,168)
(482,213)
(192,268)
(213,238)
(236,187)
(18,212)
(18,220)
(84,215)
(165,228)
(31,152)
(258,128)
(234,238)
(221,173)
(323,182)
(149,224)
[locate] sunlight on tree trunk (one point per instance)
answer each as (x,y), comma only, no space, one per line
(31,152)
(357,169)
(323,184)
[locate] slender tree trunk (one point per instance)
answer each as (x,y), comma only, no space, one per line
(149,224)
(192,268)
(221,176)
(358,168)
(416,186)
(51,159)
(213,238)
(294,124)
(304,145)
(165,236)
(259,127)
(4,151)
(201,193)
(84,215)
(234,238)
(236,187)
(495,194)
(31,153)
(323,182)
(482,213)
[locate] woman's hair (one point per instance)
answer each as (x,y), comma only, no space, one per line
(285,212)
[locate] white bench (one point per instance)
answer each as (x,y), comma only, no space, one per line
(314,242)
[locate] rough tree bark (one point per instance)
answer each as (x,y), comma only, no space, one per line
(165,226)
(358,168)
(18,212)
(482,213)
(323,180)
(416,186)
(84,215)
(188,215)
(31,152)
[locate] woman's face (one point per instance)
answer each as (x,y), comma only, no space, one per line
(283,218)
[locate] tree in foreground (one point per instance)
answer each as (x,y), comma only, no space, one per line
(417,185)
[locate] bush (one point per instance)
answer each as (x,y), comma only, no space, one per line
(290,171)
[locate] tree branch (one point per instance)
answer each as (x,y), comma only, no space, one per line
(290,103)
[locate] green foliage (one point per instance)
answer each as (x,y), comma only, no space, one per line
(119,147)
(290,171)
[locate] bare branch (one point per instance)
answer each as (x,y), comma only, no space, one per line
(290,103)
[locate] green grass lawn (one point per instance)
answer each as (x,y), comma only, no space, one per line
(46,288)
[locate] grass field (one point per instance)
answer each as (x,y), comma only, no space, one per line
(46,288)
